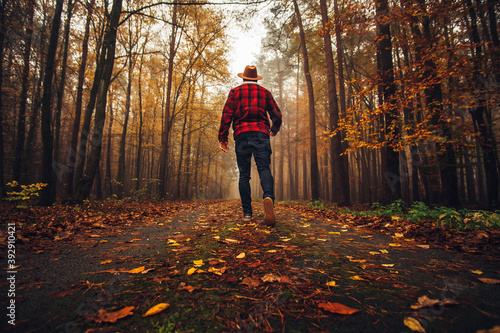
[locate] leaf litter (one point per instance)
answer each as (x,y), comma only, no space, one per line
(265,282)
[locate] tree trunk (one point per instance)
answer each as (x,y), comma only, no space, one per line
(78,104)
(340,178)
(479,114)
(60,92)
(48,193)
(120,177)
(21,120)
(166,120)
(108,58)
(390,170)
(312,112)
(107,176)
(3,5)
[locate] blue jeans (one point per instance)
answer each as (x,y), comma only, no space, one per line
(258,145)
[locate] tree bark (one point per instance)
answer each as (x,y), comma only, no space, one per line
(72,159)
(340,175)
(48,193)
(166,121)
(312,112)
(390,170)
(21,119)
(3,5)
(84,185)
(60,91)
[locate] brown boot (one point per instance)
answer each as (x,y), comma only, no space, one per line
(269,217)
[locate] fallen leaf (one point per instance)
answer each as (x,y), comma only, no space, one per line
(106,262)
(286,239)
(271,251)
(253,264)
(156,309)
(270,277)
(495,329)
(334,233)
(394,244)
(413,324)
(102,316)
(331,284)
(477,271)
(337,308)
(489,281)
(229,240)
(357,278)
(137,270)
(191,271)
(241,255)
(425,302)
(251,282)
(424,246)
(198,263)
(398,235)
(188,288)
(218,271)
(387,265)
(383,251)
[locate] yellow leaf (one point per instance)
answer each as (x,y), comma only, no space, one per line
(191,271)
(331,284)
(198,263)
(374,253)
(271,251)
(383,251)
(241,255)
(394,244)
(334,233)
(357,278)
(106,262)
(477,271)
(322,239)
(388,265)
(137,270)
(156,309)
(413,324)
(286,239)
(103,241)
(160,223)
(398,235)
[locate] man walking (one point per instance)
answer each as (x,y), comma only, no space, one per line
(247,108)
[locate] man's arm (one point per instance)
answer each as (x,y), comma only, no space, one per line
(275,115)
(226,120)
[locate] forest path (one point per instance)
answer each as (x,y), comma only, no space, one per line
(218,273)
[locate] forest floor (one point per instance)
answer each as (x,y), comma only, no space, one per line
(101,266)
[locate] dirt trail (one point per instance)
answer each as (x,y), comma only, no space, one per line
(281,282)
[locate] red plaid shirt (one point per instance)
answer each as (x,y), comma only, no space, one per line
(247,107)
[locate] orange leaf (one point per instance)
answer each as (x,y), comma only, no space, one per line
(156,309)
(337,308)
(137,270)
(103,316)
(489,281)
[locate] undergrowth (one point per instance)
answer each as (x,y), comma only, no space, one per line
(458,219)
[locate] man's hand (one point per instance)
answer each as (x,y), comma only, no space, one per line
(272,133)
(224,146)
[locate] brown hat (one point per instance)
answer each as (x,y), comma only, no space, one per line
(250,73)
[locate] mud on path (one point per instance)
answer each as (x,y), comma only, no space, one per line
(221,274)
